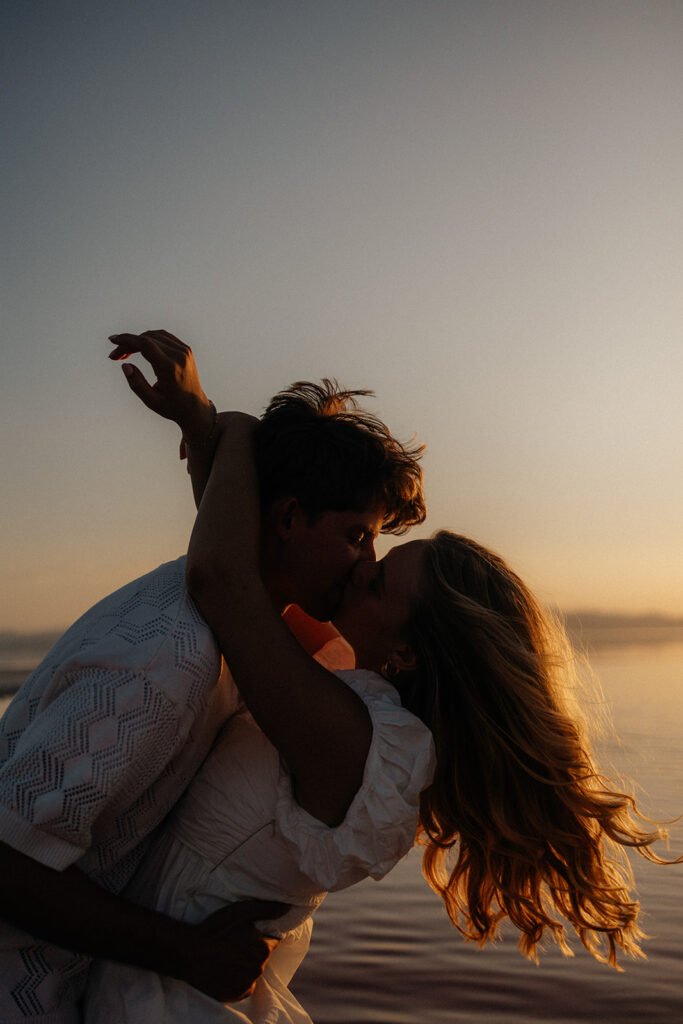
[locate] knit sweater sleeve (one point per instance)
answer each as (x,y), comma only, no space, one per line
(92,751)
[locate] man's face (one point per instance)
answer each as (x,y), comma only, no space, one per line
(323,553)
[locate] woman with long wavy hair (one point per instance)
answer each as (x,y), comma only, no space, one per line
(518,821)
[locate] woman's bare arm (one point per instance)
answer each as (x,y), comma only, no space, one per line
(321,727)
(176,394)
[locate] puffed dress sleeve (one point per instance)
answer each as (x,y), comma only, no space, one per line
(381,824)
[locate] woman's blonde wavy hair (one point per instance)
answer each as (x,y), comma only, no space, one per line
(518,822)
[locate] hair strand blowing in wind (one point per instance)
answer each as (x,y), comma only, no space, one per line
(518,823)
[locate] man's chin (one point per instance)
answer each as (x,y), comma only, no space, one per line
(327,609)
(320,610)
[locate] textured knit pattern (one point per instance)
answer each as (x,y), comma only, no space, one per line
(95,749)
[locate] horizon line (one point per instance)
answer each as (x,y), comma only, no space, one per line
(584,616)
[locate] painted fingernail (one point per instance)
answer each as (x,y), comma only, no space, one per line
(113,337)
(127,369)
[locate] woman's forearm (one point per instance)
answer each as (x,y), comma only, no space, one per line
(225,537)
(199,462)
(177,395)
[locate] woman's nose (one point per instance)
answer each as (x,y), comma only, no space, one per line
(368,549)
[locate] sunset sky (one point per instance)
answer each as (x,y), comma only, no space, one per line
(473,208)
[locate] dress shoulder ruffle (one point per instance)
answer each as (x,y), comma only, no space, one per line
(380,825)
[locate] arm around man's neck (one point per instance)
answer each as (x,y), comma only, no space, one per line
(318,724)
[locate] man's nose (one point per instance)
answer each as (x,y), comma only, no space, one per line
(363,572)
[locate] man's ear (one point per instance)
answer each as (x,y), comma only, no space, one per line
(285,514)
(403,659)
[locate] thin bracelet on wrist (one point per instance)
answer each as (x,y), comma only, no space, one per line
(211,434)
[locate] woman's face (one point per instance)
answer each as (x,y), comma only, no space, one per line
(377,605)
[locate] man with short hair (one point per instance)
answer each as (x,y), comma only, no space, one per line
(105,735)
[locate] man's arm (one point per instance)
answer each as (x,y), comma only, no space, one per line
(223,956)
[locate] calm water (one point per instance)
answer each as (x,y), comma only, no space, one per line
(385,953)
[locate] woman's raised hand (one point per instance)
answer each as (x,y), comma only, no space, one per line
(177,393)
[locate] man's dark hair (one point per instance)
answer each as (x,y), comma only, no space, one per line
(315,444)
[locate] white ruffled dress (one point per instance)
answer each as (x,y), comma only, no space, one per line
(239,834)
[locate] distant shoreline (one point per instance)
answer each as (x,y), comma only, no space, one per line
(596,630)
(619,620)
(597,638)
(18,641)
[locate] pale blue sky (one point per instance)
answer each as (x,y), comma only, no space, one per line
(473,208)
